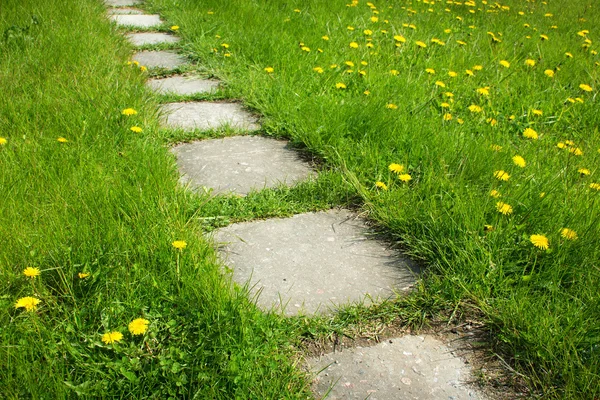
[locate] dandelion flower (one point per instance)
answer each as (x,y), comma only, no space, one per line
(488,228)
(505,63)
(569,55)
(477,67)
(138,326)
(420,44)
(549,73)
(305,48)
(452,74)
(495,194)
(135,129)
(440,84)
(530,63)
(404,177)
(368,32)
(3,141)
(129,111)
(544,37)
(595,186)
(501,175)
(537,112)
(28,303)
(539,241)
(112,337)
(586,88)
(391,106)
(381,185)
(430,71)
(519,161)
(179,244)
(576,151)
(325,37)
(83,275)
(397,168)
(340,85)
(530,134)
(568,234)
(475,108)
(175,28)
(62,140)
(269,70)
(469,72)
(374,19)
(349,63)
(31,272)
(353,45)
(484,91)
(583,171)
(447,117)
(400,38)
(503,208)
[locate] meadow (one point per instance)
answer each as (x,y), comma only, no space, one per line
(467,131)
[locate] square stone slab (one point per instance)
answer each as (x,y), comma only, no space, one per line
(182,85)
(121,3)
(137,21)
(125,11)
(410,367)
(239,164)
(311,262)
(159,59)
(142,38)
(207,115)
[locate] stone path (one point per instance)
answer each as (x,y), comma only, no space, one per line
(307,264)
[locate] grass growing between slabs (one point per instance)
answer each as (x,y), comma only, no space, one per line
(470,129)
(98,294)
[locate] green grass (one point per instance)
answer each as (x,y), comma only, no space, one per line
(541,305)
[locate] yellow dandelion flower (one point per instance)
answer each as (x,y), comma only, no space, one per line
(83,275)
(492,121)
(397,168)
(469,72)
(569,143)
(544,37)
(430,71)
(583,171)
(129,111)
(549,73)
(561,145)
(325,37)
(477,67)
(3,141)
(349,63)
(381,185)
(537,112)
(28,303)
(135,129)
(138,326)
(305,48)
(368,32)
(269,70)
(576,151)
(503,208)
(404,177)
(353,45)
(505,63)
(175,28)
(460,42)
(340,85)
(400,38)
(318,70)
(394,72)
(440,84)
(585,87)
(62,140)
(374,19)
(569,55)
(179,244)
(485,91)
(420,44)
(568,234)
(112,337)
(31,272)
(579,99)
(540,241)
(452,74)
(367,92)
(225,45)
(595,186)
(448,94)
(495,194)
(350,28)
(530,63)
(530,134)
(391,106)
(519,161)
(447,117)
(501,175)
(475,108)
(143,68)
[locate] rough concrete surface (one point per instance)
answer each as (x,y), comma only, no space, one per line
(125,11)
(408,368)
(142,38)
(159,59)
(121,3)
(183,85)
(207,115)
(137,21)
(311,262)
(239,164)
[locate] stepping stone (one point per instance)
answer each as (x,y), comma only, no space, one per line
(207,115)
(311,262)
(239,164)
(125,11)
(159,59)
(137,21)
(182,85)
(410,367)
(142,38)
(121,3)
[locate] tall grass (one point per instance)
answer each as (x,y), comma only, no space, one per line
(103,202)
(286,60)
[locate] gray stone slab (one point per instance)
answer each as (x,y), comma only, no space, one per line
(207,115)
(312,262)
(408,368)
(121,3)
(182,85)
(143,38)
(239,164)
(159,59)
(125,11)
(137,21)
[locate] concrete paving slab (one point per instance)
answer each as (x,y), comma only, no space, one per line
(159,59)
(125,11)
(143,38)
(407,368)
(137,21)
(121,3)
(207,115)
(182,85)
(312,262)
(239,164)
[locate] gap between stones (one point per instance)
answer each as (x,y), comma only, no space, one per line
(307,264)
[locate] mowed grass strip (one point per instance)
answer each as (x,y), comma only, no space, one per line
(107,288)
(469,128)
